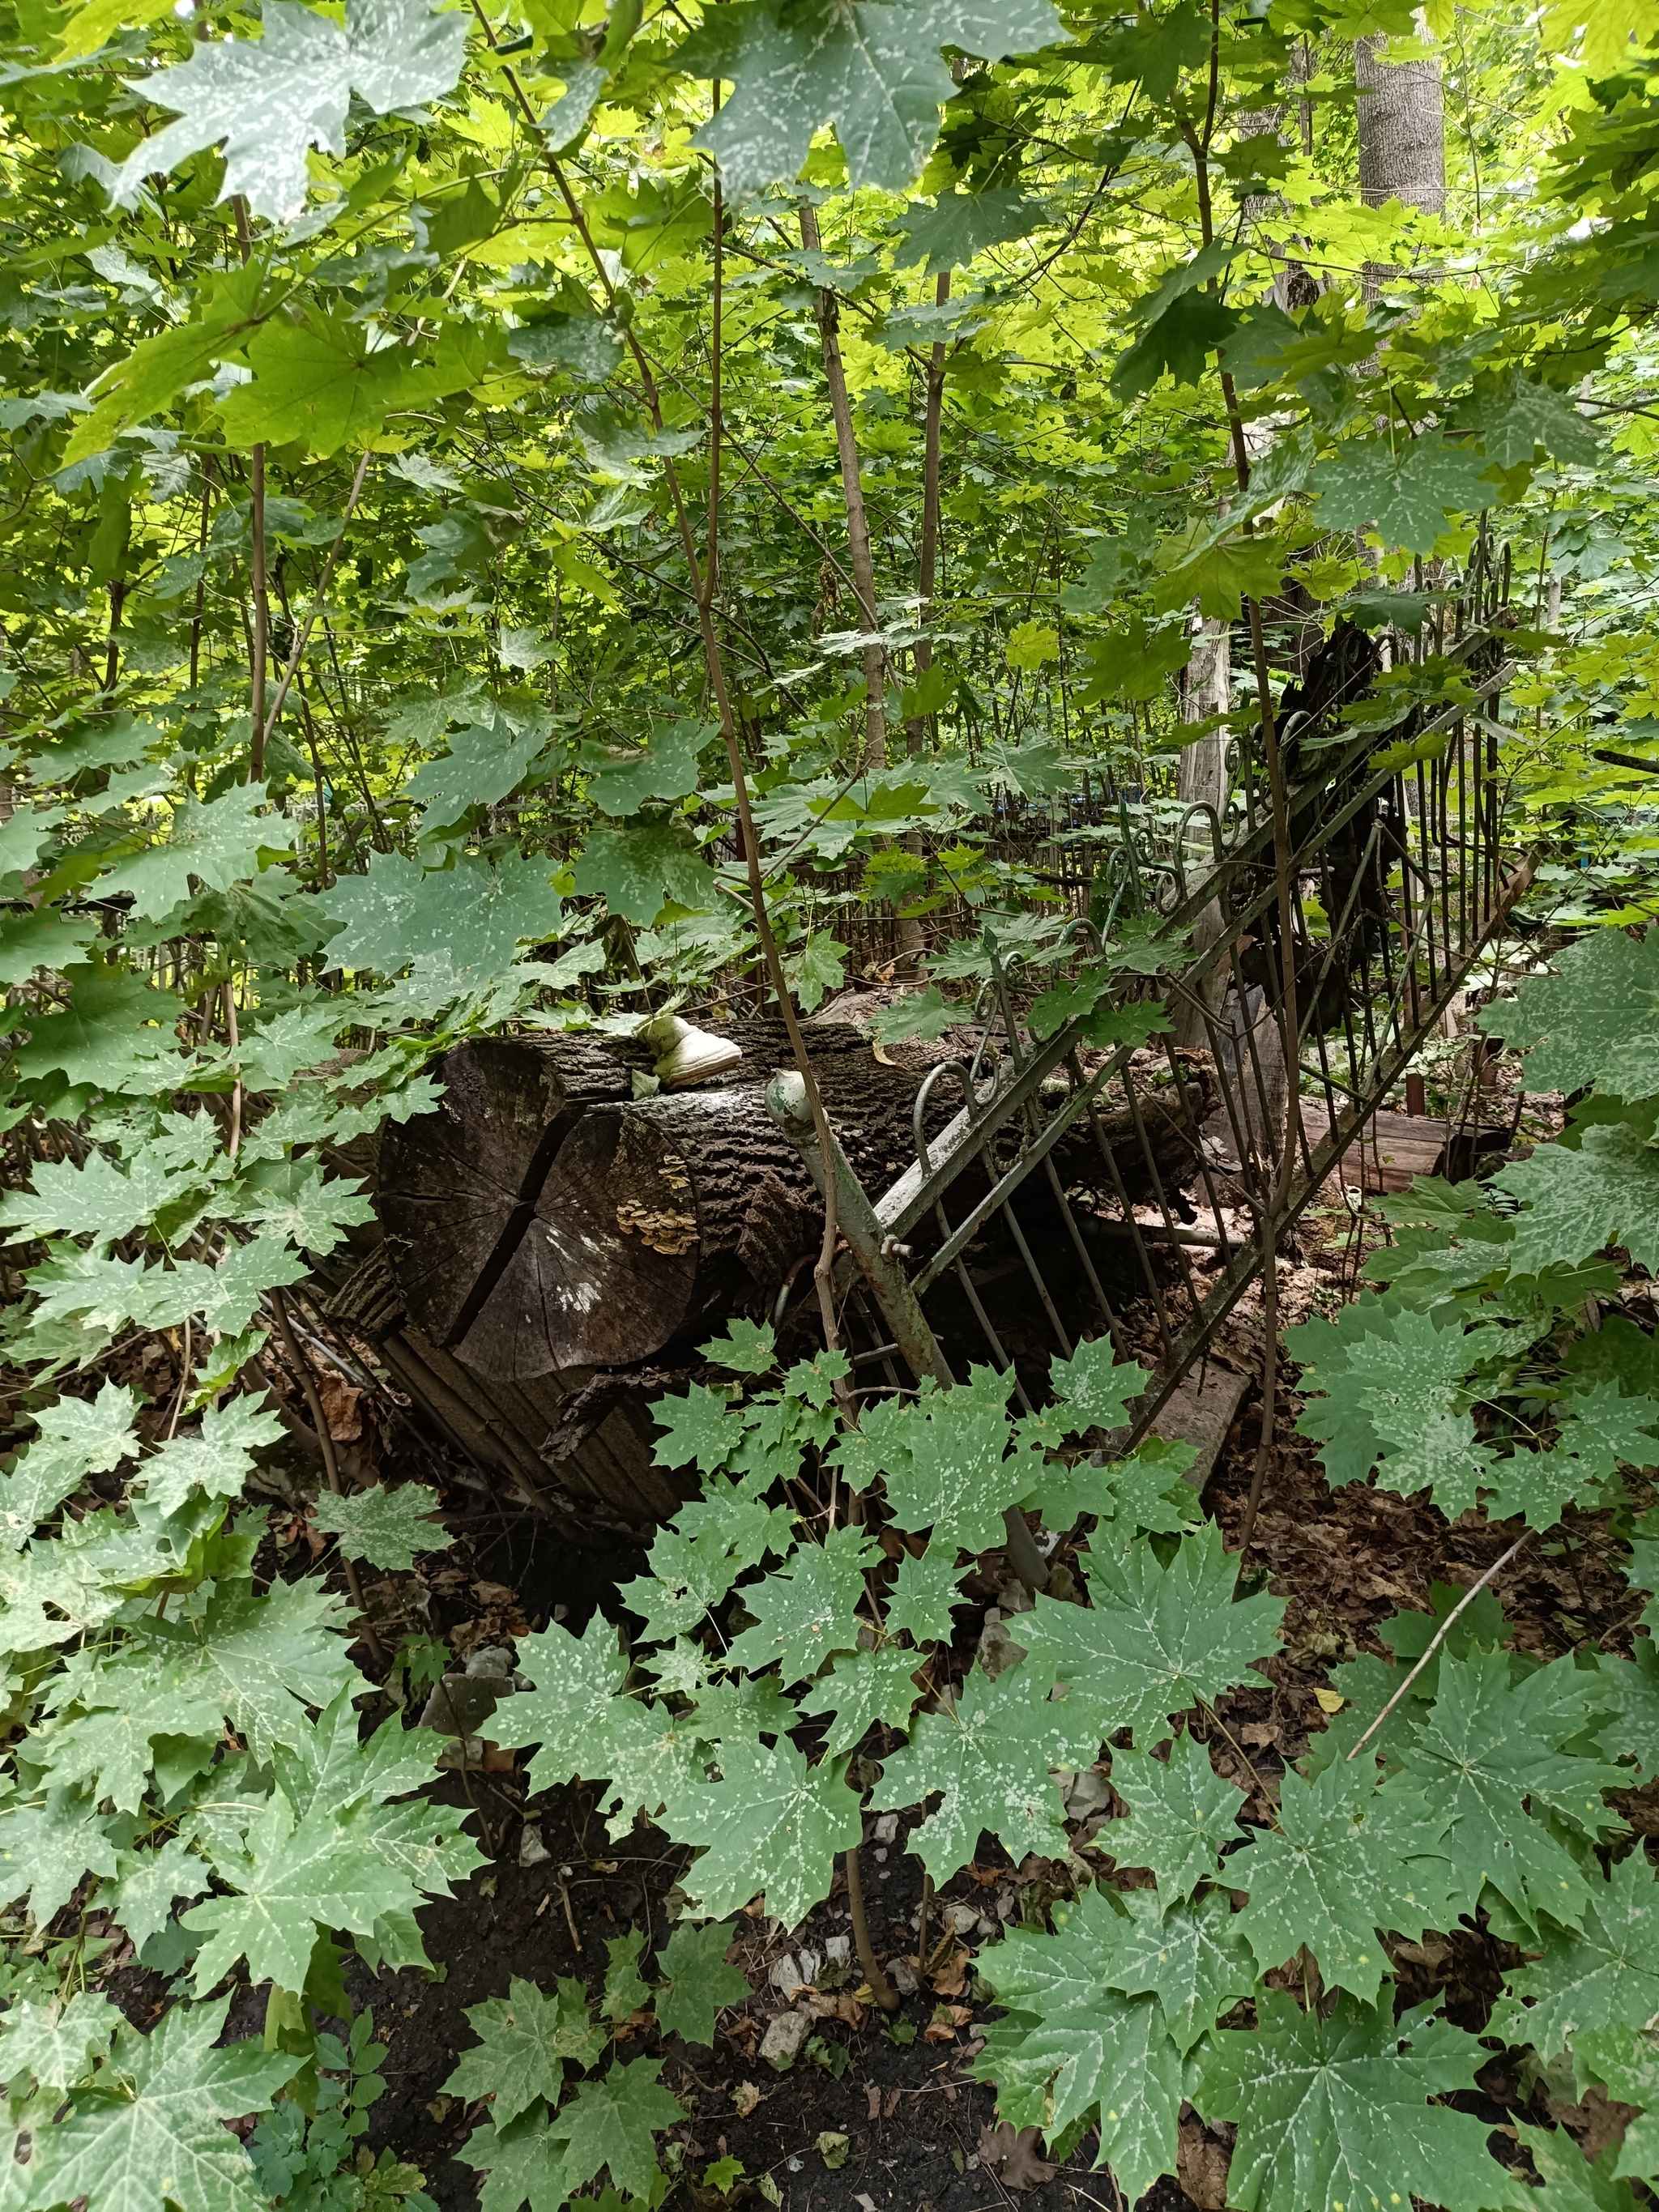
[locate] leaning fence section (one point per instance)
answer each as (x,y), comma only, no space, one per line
(1207,1134)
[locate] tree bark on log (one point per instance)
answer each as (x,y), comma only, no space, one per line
(659,1216)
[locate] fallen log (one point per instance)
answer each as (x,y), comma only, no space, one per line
(456,1188)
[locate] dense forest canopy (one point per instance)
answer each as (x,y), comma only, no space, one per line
(531,520)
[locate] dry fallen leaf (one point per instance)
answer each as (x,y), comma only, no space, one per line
(1330,1701)
(1202,2163)
(872,2099)
(1013,2157)
(745,2098)
(948,1979)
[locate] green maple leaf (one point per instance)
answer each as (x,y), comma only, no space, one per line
(1147,1489)
(586,1730)
(267,1655)
(1536,1484)
(46,1848)
(99,1199)
(1632,1699)
(1156,1640)
(1220,572)
(125,1703)
(485,765)
(770,1821)
(150,2134)
(1603,1429)
(748,1347)
(271,101)
(639,870)
(1346,1859)
(214,842)
(926,1014)
(808,1609)
(158,368)
(700,1427)
(1336,2113)
(699,1983)
(42,937)
(962,224)
(611,2123)
(1603,1975)
(270,1055)
(1408,496)
(1094,1387)
(1181,1812)
(150,1884)
(991,1755)
(526,2040)
(117,1032)
(1073,2045)
(387,1528)
(297,1201)
(326,1851)
(1191,1956)
(874,70)
(926,1593)
(625,1994)
(321,380)
(1489,1744)
(1572,2183)
(55,2043)
(1176,343)
(216,1460)
(476,915)
(73,1437)
(522,2161)
(954,1476)
(1624,2060)
(1594,1021)
(1523,415)
(861,1688)
(1576,1199)
(1135,662)
(665,766)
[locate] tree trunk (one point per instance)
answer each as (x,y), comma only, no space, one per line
(456,1188)
(666,1214)
(1402,134)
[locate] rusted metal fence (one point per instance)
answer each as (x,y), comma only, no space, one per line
(1399,878)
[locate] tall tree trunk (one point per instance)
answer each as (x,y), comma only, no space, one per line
(1403,134)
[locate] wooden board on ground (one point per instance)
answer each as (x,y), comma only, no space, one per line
(1199,1411)
(1392,1148)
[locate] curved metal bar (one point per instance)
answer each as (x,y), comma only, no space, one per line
(1217,840)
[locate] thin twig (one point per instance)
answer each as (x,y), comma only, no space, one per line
(1438,1638)
(302,635)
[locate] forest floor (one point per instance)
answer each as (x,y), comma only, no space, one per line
(861,2122)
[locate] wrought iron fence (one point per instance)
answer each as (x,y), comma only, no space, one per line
(1205,1142)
